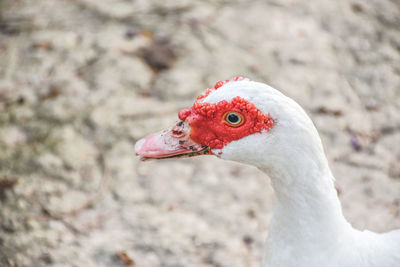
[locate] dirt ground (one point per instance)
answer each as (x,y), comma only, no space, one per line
(82,80)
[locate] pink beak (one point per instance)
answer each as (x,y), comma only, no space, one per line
(171,143)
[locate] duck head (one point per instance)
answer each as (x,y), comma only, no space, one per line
(239,120)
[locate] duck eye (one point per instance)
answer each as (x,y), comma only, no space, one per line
(233,119)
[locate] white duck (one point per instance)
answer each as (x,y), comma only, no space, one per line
(252,123)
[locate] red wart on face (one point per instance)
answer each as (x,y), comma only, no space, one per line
(209,125)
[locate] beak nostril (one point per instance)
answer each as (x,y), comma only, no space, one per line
(178,133)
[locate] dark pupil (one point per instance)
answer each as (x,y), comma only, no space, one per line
(233,118)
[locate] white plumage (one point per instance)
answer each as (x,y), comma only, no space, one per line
(308,228)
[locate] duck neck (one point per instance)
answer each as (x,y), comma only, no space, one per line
(307,208)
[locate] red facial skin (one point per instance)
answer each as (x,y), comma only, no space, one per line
(208,124)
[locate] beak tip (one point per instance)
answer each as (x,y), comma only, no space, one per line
(138,146)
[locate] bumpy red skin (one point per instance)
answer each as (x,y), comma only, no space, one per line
(208,126)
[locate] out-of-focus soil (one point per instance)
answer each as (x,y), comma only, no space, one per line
(82,80)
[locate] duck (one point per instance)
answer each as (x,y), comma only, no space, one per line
(252,123)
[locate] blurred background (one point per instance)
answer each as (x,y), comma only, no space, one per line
(82,80)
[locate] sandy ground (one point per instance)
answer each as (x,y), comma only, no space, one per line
(82,80)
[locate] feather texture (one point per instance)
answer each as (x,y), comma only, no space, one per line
(308,228)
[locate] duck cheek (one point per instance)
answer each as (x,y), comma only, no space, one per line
(228,152)
(239,150)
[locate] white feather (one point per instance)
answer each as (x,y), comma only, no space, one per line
(308,228)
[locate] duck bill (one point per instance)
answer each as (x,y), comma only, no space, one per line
(174,142)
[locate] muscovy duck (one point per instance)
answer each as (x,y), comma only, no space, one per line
(253,123)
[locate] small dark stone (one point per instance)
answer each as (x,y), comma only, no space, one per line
(355,144)
(251,213)
(357,7)
(20,100)
(131,33)
(248,240)
(160,55)
(46,258)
